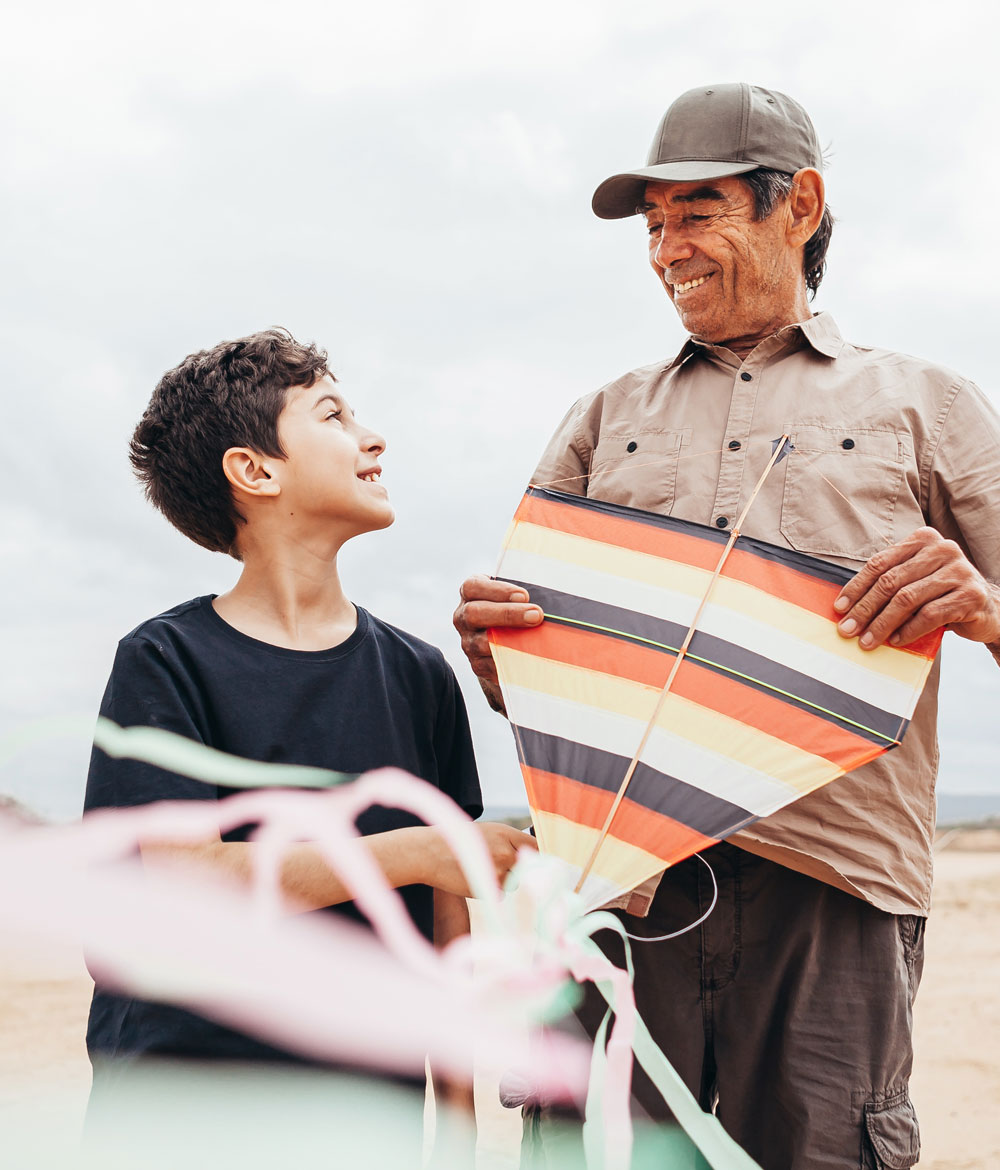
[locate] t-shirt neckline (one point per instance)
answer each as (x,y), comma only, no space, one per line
(348,646)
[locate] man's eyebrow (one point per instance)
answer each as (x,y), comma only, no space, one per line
(328,397)
(698,195)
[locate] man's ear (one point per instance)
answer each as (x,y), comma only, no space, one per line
(805,206)
(249,472)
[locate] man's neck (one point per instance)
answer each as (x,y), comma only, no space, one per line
(745,345)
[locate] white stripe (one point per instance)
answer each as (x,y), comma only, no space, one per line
(766,640)
(714,773)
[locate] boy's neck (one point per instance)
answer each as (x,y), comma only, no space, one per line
(289,600)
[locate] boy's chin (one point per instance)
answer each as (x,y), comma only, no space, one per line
(385,520)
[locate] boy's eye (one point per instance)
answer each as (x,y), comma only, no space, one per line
(332,414)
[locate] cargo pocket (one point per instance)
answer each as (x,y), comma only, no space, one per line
(637,468)
(841,488)
(891,1139)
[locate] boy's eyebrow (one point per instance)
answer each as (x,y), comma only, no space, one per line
(326,396)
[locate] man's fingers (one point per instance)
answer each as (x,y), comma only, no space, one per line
(482,588)
(911,609)
(926,620)
(889,561)
(897,592)
(481,615)
(915,587)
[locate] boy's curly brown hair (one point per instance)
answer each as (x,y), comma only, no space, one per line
(227,396)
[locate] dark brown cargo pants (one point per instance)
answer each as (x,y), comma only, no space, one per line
(788,1012)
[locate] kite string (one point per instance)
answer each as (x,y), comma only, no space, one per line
(779,449)
(692,925)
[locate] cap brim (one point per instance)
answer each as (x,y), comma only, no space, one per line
(621,195)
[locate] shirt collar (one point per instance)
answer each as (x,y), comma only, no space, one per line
(820,332)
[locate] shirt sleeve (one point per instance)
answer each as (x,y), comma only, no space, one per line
(457,771)
(963,492)
(565,462)
(145,690)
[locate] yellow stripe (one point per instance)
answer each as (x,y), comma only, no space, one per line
(625,866)
(662,573)
(798,770)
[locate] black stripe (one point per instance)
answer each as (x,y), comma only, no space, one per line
(649,788)
(800,562)
(762,674)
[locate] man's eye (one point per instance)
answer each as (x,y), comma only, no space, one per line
(332,414)
(654,228)
(698,218)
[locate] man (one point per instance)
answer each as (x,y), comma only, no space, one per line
(790,1010)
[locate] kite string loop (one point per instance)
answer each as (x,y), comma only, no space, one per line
(692,925)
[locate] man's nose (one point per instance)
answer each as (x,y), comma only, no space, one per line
(673,247)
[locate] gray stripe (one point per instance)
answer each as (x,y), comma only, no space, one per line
(649,788)
(753,670)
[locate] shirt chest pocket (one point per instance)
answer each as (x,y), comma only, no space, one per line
(841,489)
(637,468)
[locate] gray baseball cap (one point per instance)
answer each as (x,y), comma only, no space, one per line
(713,131)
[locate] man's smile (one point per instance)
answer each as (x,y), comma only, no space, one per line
(686,285)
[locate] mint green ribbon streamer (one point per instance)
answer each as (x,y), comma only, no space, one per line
(187,757)
(715,1146)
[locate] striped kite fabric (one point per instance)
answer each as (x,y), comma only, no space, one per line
(769,703)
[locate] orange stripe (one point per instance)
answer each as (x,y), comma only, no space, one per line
(781,581)
(593,651)
(662,836)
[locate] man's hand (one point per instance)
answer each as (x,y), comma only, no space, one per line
(914,587)
(487,603)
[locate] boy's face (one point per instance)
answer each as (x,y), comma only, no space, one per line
(331,467)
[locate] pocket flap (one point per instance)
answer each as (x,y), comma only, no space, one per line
(893,1132)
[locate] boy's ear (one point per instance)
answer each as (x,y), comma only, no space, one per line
(249,472)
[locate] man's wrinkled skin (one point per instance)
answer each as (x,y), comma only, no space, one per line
(754,285)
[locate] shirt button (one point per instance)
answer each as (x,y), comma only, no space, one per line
(848,444)
(746,377)
(722,522)
(634,447)
(734,445)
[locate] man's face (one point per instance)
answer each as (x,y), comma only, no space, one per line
(729,276)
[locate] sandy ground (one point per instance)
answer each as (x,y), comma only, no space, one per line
(44,1072)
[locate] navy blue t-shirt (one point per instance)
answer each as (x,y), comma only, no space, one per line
(381,698)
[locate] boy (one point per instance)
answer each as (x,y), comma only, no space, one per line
(249,449)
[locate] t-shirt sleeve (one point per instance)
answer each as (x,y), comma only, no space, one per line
(963,495)
(146,689)
(457,771)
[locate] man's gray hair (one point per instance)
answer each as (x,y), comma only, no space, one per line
(768,189)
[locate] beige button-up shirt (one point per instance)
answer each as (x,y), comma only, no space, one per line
(886,443)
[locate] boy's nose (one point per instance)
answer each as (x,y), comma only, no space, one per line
(373,442)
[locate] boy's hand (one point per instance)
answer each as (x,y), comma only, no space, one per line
(503,843)
(487,603)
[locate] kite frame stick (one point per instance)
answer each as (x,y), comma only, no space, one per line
(776,454)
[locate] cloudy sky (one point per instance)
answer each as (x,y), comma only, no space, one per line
(409,184)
